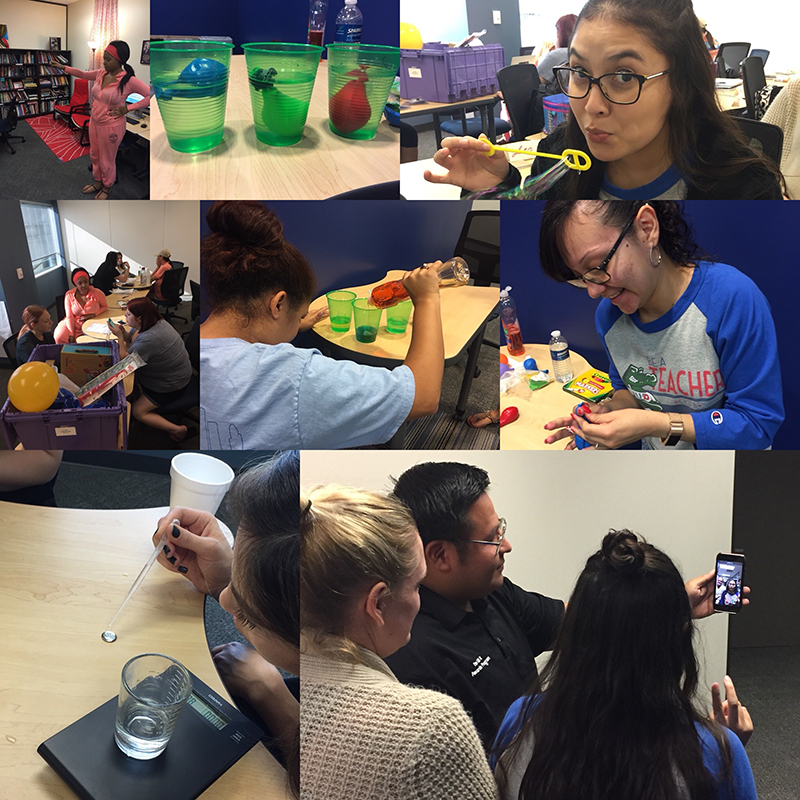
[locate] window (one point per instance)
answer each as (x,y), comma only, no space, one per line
(44,243)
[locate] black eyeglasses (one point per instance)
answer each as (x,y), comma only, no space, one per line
(622,88)
(501,534)
(598,274)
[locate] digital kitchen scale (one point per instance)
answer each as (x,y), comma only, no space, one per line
(209,738)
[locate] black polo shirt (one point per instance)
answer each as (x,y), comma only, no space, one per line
(484,657)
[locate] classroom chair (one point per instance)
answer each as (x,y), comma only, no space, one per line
(762,54)
(10,346)
(77,111)
(8,124)
(764,138)
(729,56)
(754,80)
(520,84)
(172,290)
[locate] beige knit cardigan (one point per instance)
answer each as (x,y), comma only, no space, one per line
(784,111)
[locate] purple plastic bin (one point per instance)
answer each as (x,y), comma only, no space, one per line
(67,428)
(442,74)
(556,111)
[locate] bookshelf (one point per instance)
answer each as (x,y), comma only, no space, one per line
(29,80)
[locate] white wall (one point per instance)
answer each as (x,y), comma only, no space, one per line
(133,27)
(559,506)
(32,24)
(136,228)
(437,20)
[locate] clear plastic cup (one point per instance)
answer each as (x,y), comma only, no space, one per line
(198,481)
(366,319)
(359,79)
(190,82)
(153,692)
(397,317)
(340,304)
(281,78)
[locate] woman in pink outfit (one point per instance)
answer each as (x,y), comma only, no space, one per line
(80,303)
(111,86)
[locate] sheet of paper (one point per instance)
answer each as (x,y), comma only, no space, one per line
(97,327)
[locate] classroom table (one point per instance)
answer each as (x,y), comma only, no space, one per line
(115,298)
(115,316)
(140,128)
(484,104)
(539,406)
(465,312)
(243,168)
(63,574)
(413,185)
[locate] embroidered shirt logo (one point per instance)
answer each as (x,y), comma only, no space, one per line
(479,663)
(716,417)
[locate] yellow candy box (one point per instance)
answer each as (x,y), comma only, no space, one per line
(592,386)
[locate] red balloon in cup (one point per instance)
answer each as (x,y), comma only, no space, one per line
(511,414)
(349,108)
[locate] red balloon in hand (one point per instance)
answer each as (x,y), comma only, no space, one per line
(511,414)
(349,108)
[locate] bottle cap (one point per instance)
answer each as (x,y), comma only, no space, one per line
(555,334)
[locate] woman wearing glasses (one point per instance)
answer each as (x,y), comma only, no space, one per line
(643,105)
(363,734)
(691,343)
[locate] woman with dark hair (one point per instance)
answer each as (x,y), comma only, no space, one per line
(80,304)
(260,392)
(168,370)
(643,105)
(258,582)
(691,343)
(36,327)
(111,85)
(613,717)
(113,269)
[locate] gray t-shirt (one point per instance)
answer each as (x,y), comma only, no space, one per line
(168,368)
(555,58)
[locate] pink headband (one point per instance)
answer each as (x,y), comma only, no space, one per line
(78,272)
(113,51)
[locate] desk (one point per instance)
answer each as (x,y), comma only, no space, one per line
(538,407)
(114,299)
(63,573)
(413,185)
(485,103)
(465,312)
(114,316)
(242,168)
(136,128)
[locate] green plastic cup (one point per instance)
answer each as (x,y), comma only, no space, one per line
(281,78)
(340,304)
(366,318)
(190,82)
(397,317)
(359,79)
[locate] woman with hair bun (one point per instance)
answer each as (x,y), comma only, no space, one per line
(260,392)
(613,716)
(80,304)
(364,734)
(36,329)
(111,85)
(691,343)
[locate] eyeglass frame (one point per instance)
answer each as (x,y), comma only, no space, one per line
(502,527)
(580,283)
(641,79)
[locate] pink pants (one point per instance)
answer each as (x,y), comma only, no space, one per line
(104,141)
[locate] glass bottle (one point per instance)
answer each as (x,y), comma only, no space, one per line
(454,272)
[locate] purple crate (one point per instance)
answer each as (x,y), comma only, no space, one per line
(67,428)
(556,111)
(441,74)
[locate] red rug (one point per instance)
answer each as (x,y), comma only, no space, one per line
(59,137)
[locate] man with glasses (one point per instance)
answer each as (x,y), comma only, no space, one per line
(477,634)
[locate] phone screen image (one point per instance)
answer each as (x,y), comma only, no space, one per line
(729,582)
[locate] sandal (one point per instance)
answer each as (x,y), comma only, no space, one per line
(103,193)
(91,188)
(485,417)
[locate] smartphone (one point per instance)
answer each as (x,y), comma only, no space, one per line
(729,582)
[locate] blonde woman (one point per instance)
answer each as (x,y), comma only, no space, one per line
(362,733)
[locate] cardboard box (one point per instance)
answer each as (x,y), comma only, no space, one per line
(82,362)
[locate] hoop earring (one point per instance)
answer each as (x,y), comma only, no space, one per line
(655,263)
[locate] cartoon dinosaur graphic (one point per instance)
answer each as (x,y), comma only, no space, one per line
(637,379)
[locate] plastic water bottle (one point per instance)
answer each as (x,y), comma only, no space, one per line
(316,21)
(348,23)
(559,352)
(510,321)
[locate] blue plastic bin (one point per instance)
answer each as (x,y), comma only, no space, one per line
(67,428)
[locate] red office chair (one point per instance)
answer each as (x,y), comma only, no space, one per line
(77,112)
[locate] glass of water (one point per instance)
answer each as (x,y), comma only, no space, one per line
(154,690)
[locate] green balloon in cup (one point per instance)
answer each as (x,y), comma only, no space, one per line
(280,113)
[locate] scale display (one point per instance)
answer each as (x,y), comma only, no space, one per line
(205,710)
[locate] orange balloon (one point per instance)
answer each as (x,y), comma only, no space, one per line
(503,358)
(33,386)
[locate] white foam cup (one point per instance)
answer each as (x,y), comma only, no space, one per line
(199,481)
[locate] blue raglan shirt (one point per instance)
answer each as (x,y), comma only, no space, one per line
(713,355)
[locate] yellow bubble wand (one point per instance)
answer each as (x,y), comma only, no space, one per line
(574,159)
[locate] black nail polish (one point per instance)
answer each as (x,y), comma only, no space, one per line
(166,549)
(183,569)
(172,560)
(175,532)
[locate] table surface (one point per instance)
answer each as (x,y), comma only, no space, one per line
(110,313)
(538,407)
(114,298)
(464,308)
(144,132)
(63,574)
(430,107)
(243,168)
